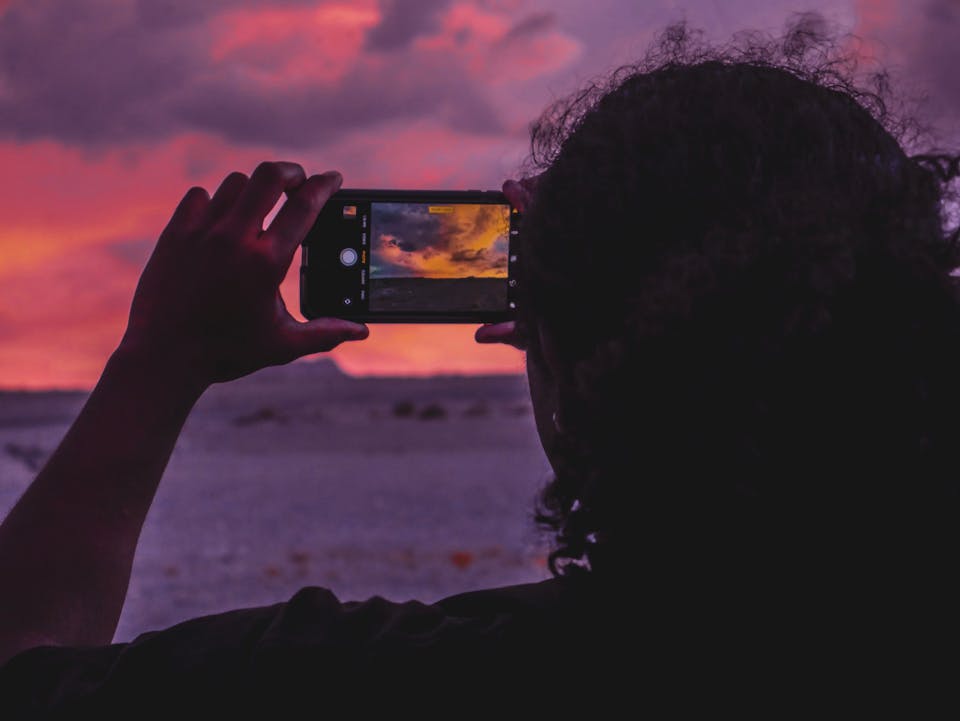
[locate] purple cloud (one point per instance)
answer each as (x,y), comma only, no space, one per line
(929,49)
(122,74)
(530,25)
(173,13)
(402,22)
(364,98)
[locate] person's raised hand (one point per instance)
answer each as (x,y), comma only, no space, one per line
(519,193)
(208,302)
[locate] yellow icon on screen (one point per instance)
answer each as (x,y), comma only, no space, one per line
(439,209)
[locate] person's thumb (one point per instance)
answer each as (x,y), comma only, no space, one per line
(323,334)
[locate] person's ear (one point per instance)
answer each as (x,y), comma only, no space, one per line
(551,355)
(557,375)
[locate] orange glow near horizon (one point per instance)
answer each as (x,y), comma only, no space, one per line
(80,227)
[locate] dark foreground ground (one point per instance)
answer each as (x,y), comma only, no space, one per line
(425,294)
(405,488)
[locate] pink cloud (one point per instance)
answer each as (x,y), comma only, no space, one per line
(63,199)
(919,43)
(293,46)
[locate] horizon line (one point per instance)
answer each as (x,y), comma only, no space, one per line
(298,361)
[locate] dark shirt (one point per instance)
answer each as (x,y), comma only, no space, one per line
(718,628)
(315,650)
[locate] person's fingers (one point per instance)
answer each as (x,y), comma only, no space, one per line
(263,190)
(530,183)
(299,213)
(322,334)
(225,197)
(517,195)
(188,211)
(507,333)
(493,332)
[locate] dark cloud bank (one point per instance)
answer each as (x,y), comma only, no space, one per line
(95,72)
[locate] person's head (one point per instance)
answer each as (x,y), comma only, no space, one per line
(737,289)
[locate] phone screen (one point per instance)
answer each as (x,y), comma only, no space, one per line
(438,256)
(409,256)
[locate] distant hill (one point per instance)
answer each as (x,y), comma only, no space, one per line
(325,369)
(311,381)
(289,386)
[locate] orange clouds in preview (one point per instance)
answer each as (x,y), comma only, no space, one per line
(439,241)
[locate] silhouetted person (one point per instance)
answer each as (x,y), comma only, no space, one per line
(743,348)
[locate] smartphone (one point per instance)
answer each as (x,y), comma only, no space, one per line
(412,256)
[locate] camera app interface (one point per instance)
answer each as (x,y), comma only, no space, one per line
(426,257)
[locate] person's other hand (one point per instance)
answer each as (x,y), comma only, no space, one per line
(208,301)
(519,193)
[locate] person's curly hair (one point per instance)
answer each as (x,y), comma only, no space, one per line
(749,284)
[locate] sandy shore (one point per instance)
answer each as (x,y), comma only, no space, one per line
(404,488)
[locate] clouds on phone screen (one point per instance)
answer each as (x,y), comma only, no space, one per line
(439,241)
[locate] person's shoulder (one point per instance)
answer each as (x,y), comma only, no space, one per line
(378,627)
(495,638)
(532,597)
(291,650)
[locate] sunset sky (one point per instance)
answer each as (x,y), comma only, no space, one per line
(440,241)
(111,109)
